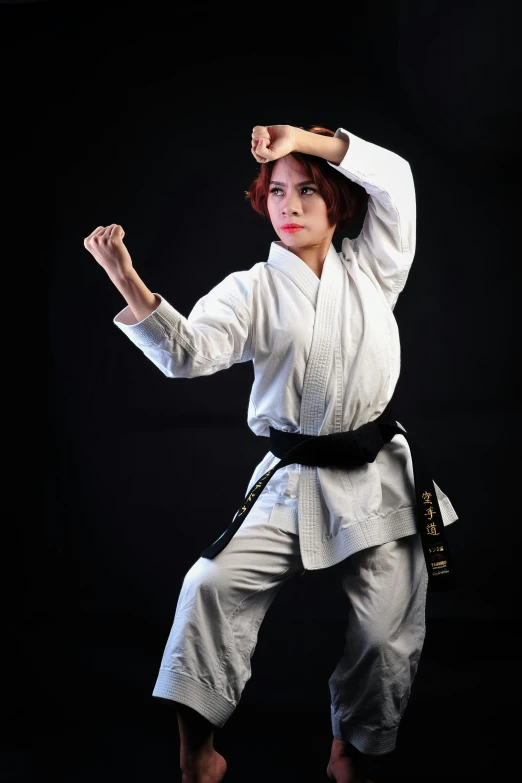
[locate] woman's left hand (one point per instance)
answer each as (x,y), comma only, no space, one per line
(270,142)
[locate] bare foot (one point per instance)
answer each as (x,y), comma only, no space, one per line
(342,766)
(209,769)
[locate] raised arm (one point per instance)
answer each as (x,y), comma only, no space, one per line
(216,334)
(385,246)
(106,245)
(273,141)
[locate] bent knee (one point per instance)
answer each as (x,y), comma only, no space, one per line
(382,644)
(205,574)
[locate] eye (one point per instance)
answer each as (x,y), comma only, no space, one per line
(309,191)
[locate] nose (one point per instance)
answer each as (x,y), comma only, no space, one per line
(292,204)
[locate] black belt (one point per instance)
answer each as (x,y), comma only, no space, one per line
(348,450)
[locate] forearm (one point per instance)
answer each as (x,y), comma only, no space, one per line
(140,299)
(332,150)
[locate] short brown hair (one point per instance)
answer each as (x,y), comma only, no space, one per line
(344,199)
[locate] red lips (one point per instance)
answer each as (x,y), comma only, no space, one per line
(291,227)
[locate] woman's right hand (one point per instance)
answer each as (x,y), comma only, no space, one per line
(106,245)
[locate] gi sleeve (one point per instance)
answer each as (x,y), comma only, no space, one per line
(216,334)
(385,246)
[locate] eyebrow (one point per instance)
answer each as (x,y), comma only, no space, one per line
(306,182)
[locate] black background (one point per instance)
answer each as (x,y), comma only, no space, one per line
(142,116)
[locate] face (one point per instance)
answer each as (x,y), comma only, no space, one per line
(296,208)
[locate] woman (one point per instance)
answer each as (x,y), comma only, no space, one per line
(319,328)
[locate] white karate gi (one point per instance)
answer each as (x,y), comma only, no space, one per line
(326,356)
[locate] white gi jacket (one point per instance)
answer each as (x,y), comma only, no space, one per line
(326,357)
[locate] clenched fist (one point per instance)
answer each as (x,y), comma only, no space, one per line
(106,245)
(270,142)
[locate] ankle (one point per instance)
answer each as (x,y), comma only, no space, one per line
(344,749)
(194,760)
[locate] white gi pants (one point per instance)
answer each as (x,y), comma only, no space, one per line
(222,603)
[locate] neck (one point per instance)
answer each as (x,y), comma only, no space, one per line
(313,255)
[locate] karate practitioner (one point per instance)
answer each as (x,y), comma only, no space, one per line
(318,326)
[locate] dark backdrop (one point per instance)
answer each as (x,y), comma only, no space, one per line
(144,120)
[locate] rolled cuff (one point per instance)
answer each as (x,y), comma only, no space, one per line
(151,329)
(371,743)
(178,687)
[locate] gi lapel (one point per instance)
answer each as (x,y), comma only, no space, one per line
(292,266)
(326,329)
(324,340)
